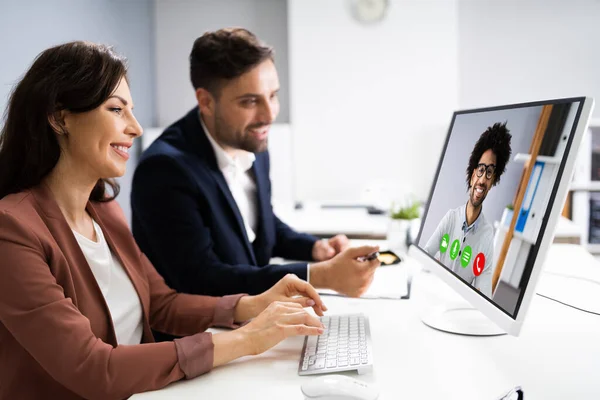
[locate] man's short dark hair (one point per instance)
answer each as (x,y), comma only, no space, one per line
(497,138)
(223,55)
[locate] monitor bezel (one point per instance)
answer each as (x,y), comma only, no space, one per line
(512,323)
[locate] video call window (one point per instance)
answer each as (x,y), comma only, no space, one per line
(493,194)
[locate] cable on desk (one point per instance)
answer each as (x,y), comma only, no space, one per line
(568,305)
(570,277)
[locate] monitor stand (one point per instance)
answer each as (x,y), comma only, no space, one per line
(461,319)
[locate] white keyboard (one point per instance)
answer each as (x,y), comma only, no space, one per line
(345,345)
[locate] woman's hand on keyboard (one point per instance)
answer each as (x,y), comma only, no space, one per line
(292,289)
(278,321)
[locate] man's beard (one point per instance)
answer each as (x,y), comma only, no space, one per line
(474,202)
(252,144)
(244,141)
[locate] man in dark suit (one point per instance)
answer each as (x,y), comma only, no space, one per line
(201,197)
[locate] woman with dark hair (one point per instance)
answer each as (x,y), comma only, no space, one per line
(77,297)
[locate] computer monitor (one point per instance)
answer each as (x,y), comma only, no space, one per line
(498,192)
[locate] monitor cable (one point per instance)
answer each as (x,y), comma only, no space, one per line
(567,304)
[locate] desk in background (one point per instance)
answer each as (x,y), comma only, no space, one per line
(356,223)
(556,357)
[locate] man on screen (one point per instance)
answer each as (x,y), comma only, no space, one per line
(463,240)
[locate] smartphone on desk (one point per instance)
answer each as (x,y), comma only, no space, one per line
(388,257)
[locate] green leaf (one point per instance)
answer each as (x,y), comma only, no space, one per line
(410,212)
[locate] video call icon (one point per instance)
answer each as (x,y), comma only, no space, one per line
(466,256)
(478,264)
(444,243)
(455,248)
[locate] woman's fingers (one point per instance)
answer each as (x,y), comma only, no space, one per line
(301,330)
(308,302)
(286,306)
(305,289)
(318,310)
(301,317)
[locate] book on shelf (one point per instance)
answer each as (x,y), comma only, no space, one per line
(530,193)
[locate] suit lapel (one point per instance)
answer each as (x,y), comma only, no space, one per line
(196,135)
(262,187)
(65,239)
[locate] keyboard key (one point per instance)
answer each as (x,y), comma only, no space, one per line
(343,344)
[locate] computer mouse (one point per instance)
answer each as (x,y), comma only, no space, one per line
(338,387)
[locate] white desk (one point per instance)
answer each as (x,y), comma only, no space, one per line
(567,232)
(353,222)
(556,357)
(357,223)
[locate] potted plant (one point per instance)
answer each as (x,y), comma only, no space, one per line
(401,220)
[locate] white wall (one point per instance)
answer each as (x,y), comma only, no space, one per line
(179,22)
(27,27)
(515,50)
(370,103)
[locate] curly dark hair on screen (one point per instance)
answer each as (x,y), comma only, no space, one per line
(223,55)
(76,76)
(496,138)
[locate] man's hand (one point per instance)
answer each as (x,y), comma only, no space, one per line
(327,248)
(346,273)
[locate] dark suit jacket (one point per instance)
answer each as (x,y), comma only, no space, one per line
(57,339)
(187,222)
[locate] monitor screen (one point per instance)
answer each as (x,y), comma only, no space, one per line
(493,192)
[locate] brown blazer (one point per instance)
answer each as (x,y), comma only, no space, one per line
(57,339)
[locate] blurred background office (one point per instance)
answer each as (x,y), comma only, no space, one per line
(365,106)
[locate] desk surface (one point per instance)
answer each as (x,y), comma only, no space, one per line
(357,223)
(557,355)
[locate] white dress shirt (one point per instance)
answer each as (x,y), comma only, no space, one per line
(242,186)
(118,291)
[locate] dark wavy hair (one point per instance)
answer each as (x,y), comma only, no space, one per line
(225,54)
(497,138)
(75,76)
